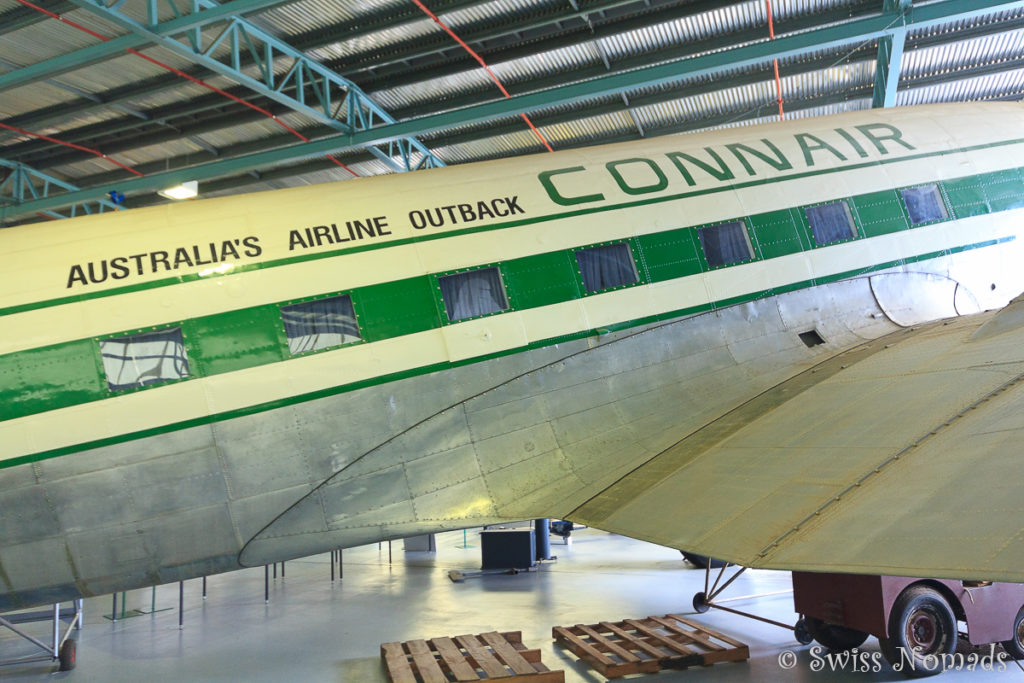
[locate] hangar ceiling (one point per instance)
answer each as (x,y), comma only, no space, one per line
(130,96)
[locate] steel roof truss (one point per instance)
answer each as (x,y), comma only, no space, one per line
(24,183)
(784,46)
(116,46)
(890,56)
(239,35)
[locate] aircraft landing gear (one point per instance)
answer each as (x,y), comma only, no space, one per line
(708,598)
(802,633)
(68,655)
(61,648)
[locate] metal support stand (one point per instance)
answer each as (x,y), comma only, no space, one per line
(542,538)
(707,599)
(181,604)
(336,557)
(204,588)
(61,647)
(125,613)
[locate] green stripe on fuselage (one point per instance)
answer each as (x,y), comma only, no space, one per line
(383,379)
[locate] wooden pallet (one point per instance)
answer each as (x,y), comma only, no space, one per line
(648,645)
(466,658)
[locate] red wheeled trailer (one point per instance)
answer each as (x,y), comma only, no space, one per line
(915,620)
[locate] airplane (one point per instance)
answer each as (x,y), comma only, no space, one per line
(795,345)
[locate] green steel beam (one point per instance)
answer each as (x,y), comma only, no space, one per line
(887,68)
(784,46)
(69,62)
(562,116)
(890,56)
(504,126)
(116,46)
(731,116)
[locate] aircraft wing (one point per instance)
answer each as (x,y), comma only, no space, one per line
(902,457)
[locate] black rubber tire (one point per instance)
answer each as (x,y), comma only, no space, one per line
(703,561)
(801,632)
(922,628)
(834,637)
(1015,646)
(700,603)
(68,655)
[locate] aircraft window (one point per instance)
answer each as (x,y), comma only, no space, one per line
(924,204)
(141,359)
(726,243)
(606,266)
(831,222)
(320,324)
(477,292)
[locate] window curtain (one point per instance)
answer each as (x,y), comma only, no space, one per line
(467,295)
(831,222)
(144,359)
(725,244)
(320,324)
(606,267)
(924,204)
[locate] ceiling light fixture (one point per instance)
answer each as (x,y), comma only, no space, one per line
(186,190)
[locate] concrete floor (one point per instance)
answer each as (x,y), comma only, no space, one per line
(313,630)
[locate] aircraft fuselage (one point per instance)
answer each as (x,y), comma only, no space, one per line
(196,388)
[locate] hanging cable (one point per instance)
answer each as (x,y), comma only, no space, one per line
(483,64)
(177,72)
(775,62)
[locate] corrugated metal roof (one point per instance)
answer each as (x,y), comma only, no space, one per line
(308,15)
(951,57)
(419,68)
(966,90)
